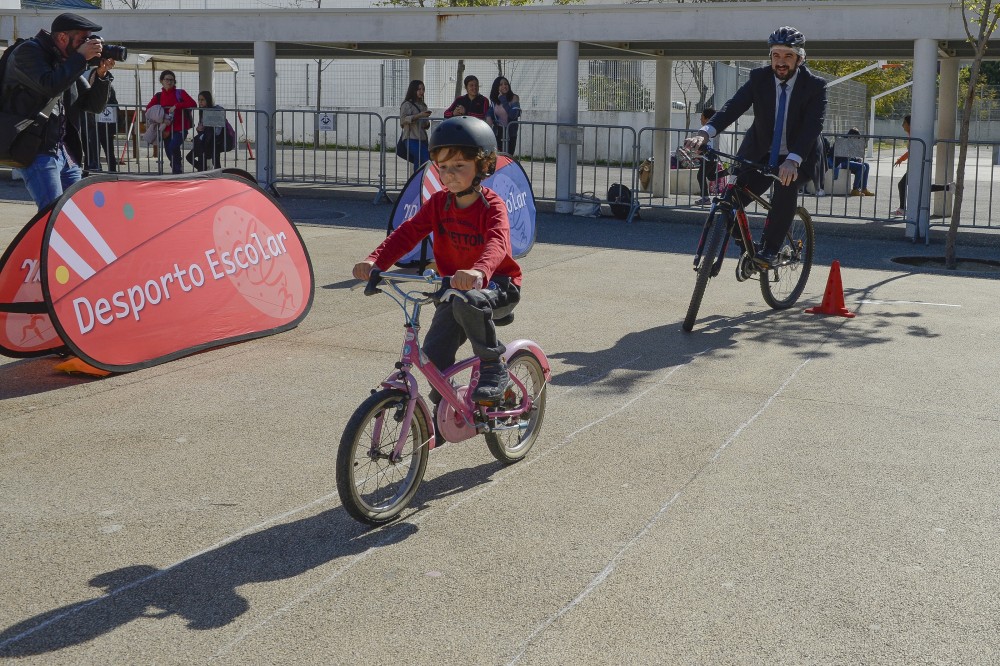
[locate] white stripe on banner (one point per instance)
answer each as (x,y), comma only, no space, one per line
(85,226)
(429,179)
(69,255)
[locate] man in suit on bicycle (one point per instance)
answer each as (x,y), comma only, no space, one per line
(789,106)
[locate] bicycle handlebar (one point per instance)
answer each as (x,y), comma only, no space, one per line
(443,293)
(707,150)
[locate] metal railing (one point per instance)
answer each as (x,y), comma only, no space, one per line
(358,150)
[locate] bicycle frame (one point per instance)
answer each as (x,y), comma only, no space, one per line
(731,205)
(412,356)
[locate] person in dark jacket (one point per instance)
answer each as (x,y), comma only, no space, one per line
(46,74)
(789,105)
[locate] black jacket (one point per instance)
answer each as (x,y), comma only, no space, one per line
(36,74)
(804,117)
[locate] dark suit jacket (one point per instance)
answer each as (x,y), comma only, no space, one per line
(805,114)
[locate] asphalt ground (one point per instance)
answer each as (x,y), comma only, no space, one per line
(772,488)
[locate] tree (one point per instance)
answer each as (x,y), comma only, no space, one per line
(986,13)
(877,80)
(690,78)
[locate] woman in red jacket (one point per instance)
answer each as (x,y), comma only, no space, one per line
(174,102)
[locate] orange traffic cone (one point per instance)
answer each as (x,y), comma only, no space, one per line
(833,299)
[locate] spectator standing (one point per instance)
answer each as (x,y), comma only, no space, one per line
(174,102)
(101,136)
(471,103)
(413,123)
(45,73)
(505,109)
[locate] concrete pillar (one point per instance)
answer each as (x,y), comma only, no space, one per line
(660,185)
(918,194)
(206,74)
(265,89)
(567,113)
(417,69)
(944,154)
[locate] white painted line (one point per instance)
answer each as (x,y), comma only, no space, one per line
(603,575)
(878,302)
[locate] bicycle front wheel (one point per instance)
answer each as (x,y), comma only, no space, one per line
(782,284)
(511,445)
(373,488)
(710,253)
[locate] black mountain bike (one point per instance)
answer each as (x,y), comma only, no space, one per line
(781,281)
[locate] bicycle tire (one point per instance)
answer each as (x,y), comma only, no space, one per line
(372,489)
(510,446)
(710,253)
(795,259)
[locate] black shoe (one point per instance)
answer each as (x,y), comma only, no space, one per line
(766,258)
(493,379)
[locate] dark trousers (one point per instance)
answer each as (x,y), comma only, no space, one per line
(709,170)
(511,144)
(205,145)
(783,204)
(456,321)
(901,187)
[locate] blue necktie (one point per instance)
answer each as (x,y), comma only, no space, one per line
(779,125)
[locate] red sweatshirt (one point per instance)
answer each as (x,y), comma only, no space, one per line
(476,237)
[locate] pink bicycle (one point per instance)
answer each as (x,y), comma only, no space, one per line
(383,451)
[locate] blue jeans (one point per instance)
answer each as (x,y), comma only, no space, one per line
(172,147)
(416,153)
(49,175)
(858,168)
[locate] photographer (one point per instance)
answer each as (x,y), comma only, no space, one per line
(46,74)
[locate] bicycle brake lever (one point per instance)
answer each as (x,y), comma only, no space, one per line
(373,279)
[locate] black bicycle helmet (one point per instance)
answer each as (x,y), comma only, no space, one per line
(787,36)
(464,131)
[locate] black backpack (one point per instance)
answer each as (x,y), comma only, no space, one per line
(20,137)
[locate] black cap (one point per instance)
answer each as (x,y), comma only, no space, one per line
(67,22)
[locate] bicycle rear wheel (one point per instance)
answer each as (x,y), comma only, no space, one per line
(716,226)
(509,446)
(782,285)
(374,489)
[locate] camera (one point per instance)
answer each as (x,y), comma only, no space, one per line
(113,51)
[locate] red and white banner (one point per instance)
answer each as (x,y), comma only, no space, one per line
(137,271)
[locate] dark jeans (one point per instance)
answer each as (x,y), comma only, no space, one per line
(456,321)
(511,144)
(709,170)
(172,147)
(205,146)
(901,186)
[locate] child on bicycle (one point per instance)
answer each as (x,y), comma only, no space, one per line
(471,244)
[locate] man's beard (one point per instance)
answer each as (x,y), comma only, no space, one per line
(789,73)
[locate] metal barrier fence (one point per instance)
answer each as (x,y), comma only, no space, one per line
(329,147)
(604,155)
(113,141)
(357,149)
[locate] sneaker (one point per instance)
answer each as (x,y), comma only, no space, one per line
(493,379)
(766,257)
(821,192)
(899,212)
(867,193)
(855,193)
(704,201)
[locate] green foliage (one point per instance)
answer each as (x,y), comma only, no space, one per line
(468,3)
(602,93)
(877,81)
